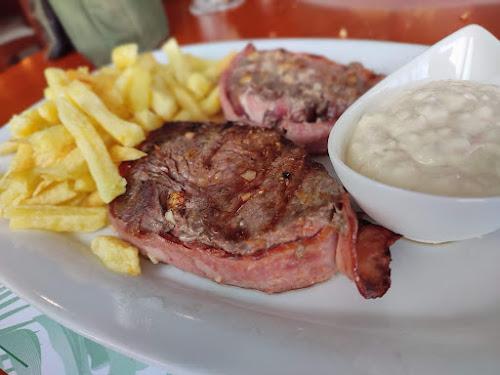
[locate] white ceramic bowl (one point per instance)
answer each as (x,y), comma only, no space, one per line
(471,53)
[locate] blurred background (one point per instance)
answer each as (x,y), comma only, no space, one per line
(54,28)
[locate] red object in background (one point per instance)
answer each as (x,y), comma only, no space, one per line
(23,84)
(393,20)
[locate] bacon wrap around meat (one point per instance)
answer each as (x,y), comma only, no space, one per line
(243,206)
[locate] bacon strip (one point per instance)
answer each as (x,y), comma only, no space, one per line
(363,254)
(373,274)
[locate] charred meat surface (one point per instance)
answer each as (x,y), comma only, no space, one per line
(236,204)
(299,94)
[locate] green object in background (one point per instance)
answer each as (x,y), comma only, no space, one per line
(96,26)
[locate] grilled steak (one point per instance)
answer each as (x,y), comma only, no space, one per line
(299,94)
(241,206)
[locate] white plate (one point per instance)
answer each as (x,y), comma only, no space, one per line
(441,314)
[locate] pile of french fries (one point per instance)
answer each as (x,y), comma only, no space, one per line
(67,148)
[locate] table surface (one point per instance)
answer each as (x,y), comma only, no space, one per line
(22,85)
(33,344)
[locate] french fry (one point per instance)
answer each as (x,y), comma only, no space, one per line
(23,160)
(139,90)
(198,84)
(27,123)
(147,61)
(181,65)
(162,100)
(70,166)
(184,115)
(198,64)
(123,81)
(45,183)
(164,104)
(56,77)
(48,111)
(148,120)
(125,132)
(215,70)
(49,93)
(124,56)
(78,200)
(55,139)
(9,146)
(120,153)
(103,84)
(83,74)
(55,194)
(211,104)
(21,185)
(108,180)
(116,254)
(113,100)
(21,176)
(92,200)
(186,101)
(85,183)
(57,218)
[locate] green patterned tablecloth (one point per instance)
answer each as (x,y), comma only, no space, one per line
(33,344)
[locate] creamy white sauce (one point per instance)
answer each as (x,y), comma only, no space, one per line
(441,138)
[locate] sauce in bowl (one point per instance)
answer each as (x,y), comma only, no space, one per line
(440,138)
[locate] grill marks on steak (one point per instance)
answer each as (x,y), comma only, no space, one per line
(301,95)
(242,206)
(244,190)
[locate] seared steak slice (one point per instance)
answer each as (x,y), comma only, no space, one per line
(239,205)
(299,94)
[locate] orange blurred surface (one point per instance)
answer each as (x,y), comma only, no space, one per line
(23,84)
(393,20)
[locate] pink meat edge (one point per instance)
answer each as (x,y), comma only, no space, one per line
(227,106)
(289,266)
(312,136)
